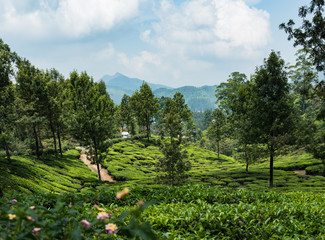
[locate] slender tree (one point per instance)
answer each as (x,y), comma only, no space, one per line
(235,98)
(53,105)
(7,97)
(273,107)
(303,76)
(145,106)
(126,114)
(174,164)
(31,88)
(217,128)
(185,114)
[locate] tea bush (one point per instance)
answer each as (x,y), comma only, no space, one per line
(188,212)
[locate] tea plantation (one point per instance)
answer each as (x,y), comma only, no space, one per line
(62,199)
(133,162)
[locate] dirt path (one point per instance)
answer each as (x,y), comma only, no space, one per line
(93,167)
(300,172)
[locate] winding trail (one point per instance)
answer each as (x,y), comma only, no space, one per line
(300,172)
(93,167)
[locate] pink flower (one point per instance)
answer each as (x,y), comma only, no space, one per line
(6,199)
(30,218)
(32,207)
(36,231)
(14,201)
(111,228)
(85,223)
(103,215)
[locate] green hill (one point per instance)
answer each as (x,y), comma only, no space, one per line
(133,162)
(29,174)
(118,84)
(197,98)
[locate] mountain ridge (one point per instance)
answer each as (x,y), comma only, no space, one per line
(197,98)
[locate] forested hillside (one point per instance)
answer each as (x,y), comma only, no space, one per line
(197,98)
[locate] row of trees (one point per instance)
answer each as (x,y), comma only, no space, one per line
(259,110)
(266,112)
(42,105)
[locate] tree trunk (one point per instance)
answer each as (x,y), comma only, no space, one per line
(59,139)
(54,140)
(36,142)
(303,105)
(39,139)
(218,145)
(271,166)
(247,160)
(6,147)
(96,159)
(148,128)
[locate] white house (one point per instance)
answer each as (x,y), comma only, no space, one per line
(125,135)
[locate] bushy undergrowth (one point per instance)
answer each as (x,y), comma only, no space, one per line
(188,212)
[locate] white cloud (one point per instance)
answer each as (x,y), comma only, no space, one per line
(210,27)
(67,18)
(140,64)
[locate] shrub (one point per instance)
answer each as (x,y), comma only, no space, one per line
(234,184)
(316,170)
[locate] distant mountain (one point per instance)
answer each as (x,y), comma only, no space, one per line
(197,98)
(118,84)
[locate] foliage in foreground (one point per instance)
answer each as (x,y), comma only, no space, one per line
(189,212)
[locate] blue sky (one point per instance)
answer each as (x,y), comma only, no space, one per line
(176,43)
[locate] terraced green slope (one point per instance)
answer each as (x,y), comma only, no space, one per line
(133,161)
(28,174)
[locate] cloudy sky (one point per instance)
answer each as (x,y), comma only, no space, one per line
(176,43)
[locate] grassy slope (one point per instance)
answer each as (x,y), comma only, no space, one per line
(134,161)
(28,174)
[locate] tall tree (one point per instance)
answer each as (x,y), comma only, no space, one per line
(7,96)
(207,118)
(235,98)
(92,111)
(185,114)
(273,107)
(303,76)
(126,114)
(174,164)
(54,105)
(217,128)
(31,88)
(145,105)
